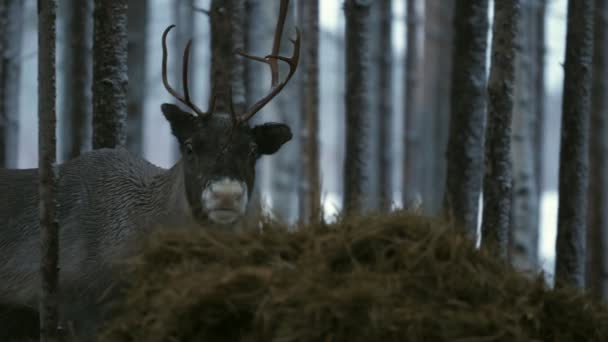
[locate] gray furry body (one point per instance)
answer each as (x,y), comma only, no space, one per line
(108,201)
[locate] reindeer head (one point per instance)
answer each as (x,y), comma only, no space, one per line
(220,150)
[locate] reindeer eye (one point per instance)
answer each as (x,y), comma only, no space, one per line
(188,148)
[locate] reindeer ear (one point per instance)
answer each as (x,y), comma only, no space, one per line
(183,124)
(271,136)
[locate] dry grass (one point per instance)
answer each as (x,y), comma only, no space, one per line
(398,277)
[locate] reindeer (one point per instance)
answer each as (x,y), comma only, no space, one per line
(108,198)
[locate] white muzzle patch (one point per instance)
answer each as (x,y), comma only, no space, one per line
(225,200)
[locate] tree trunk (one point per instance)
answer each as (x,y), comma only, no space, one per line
(384,105)
(597,272)
(467,120)
(310,183)
(523,250)
(227,69)
(11,28)
(286,167)
(357,88)
(412,171)
(574,160)
(77,77)
(109,73)
(539,93)
(435,110)
(497,171)
(46,159)
(137,62)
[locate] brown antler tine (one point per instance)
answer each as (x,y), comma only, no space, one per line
(276,44)
(185,73)
(276,88)
(164,65)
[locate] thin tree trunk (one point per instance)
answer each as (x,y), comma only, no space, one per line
(46,159)
(597,272)
(77,77)
(11,27)
(574,159)
(228,70)
(357,73)
(137,62)
(411,168)
(435,105)
(523,249)
(467,120)
(384,105)
(109,73)
(497,185)
(310,184)
(286,163)
(539,93)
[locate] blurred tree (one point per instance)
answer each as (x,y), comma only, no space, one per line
(46,158)
(383,103)
(109,73)
(412,171)
(539,92)
(523,245)
(227,69)
(11,29)
(183,18)
(357,88)
(497,179)
(574,159)
(467,118)
(310,183)
(597,242)
(435,104)
(137,61)
(285,164)
(77,61)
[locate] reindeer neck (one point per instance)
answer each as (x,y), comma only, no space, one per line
(169,197)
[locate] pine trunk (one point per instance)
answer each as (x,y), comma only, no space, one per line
(384,106)
(11,28)
(310,183)
(412,172)
(46,159)
(357,75)
(137,62)
(497,185)
(77,77)
(467,119)
(109,73)
(597,272)
(523,249)
(574,159)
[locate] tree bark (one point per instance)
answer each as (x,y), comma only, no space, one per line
(574,160)
(467,120)
(523,249)
(384,105)
(357,73)
(11,27)
(310,183)
(109,73)
(539,93)
(46,159)
(77,77)
(227,69)
(137,62)
(497,184)
(412,172)
(597,242)
(435,108)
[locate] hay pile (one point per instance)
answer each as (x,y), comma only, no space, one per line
(382,278)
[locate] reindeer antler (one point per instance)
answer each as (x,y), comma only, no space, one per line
(272,61)
(185,62)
